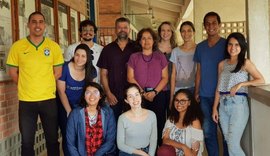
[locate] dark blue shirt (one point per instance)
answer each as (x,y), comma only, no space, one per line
(74,88)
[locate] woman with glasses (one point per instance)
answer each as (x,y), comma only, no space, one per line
(91,128)
(137,127)
(182,134)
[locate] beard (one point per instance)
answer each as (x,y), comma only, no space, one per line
(87,39)
(122,35)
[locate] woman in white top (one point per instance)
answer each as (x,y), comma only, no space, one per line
(183,130)
(137,128)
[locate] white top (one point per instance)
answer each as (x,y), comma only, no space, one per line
(185,68)
(187,136)
(69,53)
(136,135)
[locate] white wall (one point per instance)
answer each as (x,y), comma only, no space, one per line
(228,10)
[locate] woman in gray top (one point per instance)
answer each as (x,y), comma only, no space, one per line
(183,66)
(137,128)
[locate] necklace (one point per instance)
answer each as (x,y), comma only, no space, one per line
(92,119)
(147,60)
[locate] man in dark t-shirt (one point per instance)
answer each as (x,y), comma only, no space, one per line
(113,68)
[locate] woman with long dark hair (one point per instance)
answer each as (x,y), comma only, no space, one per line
(231,93)
(182,134)
(75,74)
(91,128)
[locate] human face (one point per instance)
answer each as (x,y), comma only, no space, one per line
(212,26)
(122,30)
(181,102)
(166,32)
(134,98)
(147,41)
(92,96)
(36,25)
(187,33)
(88,33)
(80,57)
(233,47)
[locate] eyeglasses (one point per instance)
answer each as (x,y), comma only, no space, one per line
(181,102)
(89,93)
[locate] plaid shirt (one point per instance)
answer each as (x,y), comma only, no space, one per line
(94,133)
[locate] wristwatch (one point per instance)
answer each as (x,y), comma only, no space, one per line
(156,92)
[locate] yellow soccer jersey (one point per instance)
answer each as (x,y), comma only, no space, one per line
(35,65)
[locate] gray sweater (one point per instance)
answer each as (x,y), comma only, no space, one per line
(135,135)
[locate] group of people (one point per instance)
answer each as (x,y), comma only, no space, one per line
(145,97)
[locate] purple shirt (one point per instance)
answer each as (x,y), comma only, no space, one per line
(114,60)
(148,69)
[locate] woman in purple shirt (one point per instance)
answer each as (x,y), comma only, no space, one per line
(149,70)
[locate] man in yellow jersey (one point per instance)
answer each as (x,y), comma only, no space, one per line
(35,62)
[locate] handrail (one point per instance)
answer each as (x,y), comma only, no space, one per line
(260,93)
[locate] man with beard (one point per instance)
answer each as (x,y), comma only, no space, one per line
(113,68)
(87,31)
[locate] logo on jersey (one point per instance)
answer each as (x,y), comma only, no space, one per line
(47,52)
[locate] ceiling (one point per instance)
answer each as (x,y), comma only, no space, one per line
(150,13)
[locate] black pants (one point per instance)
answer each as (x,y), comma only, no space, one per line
(62,121)
(28,115)
(158,106)
(118,109)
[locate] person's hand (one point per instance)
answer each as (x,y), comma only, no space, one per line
(215,116)
(68,112)
(142,153)
(234,89)
(187,151)
(195,146)
(150,96)
(197,97)
(112,99)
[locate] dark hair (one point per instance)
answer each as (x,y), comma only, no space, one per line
(35,13)
(211,14)
(139,37)
(101,102)
(193,110)
(131,85)
(121,19)
(187,23)
(89,68)
(172,39)
(243,45)
(86,23)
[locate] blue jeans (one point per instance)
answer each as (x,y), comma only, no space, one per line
(210,128)
(234,113)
